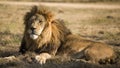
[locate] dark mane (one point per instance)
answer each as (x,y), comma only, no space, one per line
(53,34)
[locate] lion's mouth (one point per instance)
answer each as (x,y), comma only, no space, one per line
(34,33)
(33,36)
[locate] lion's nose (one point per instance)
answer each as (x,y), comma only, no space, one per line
(32,28)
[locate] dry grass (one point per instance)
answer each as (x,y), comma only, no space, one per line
(96,24)
(99,24)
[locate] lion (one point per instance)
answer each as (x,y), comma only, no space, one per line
(48,37)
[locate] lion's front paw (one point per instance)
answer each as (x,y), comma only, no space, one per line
(42,58)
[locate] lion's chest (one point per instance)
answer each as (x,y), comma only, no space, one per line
(38,48)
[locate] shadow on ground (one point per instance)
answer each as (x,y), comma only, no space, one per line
(27,61)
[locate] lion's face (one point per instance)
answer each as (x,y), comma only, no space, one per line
(36,26)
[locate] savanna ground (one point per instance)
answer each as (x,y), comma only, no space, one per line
(96,22)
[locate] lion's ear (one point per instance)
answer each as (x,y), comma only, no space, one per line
(34,9)
(29,14)
(26,17)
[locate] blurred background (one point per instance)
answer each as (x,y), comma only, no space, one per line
(75,1)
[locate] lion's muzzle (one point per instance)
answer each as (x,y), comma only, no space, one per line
(33,34)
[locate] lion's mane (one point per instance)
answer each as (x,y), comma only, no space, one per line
(52,36)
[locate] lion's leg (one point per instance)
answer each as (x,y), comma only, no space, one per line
(98,52)
(42,58)
(51,51)
(23,46)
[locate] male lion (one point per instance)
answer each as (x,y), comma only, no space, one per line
(49,37)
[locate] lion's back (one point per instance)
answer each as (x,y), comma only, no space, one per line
(79,47)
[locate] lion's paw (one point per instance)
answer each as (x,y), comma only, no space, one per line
(42,58)
(10,58)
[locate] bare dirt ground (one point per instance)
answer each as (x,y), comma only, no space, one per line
(98,22)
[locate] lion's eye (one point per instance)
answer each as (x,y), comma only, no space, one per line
(40,21)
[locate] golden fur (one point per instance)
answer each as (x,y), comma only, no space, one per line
(56,39)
